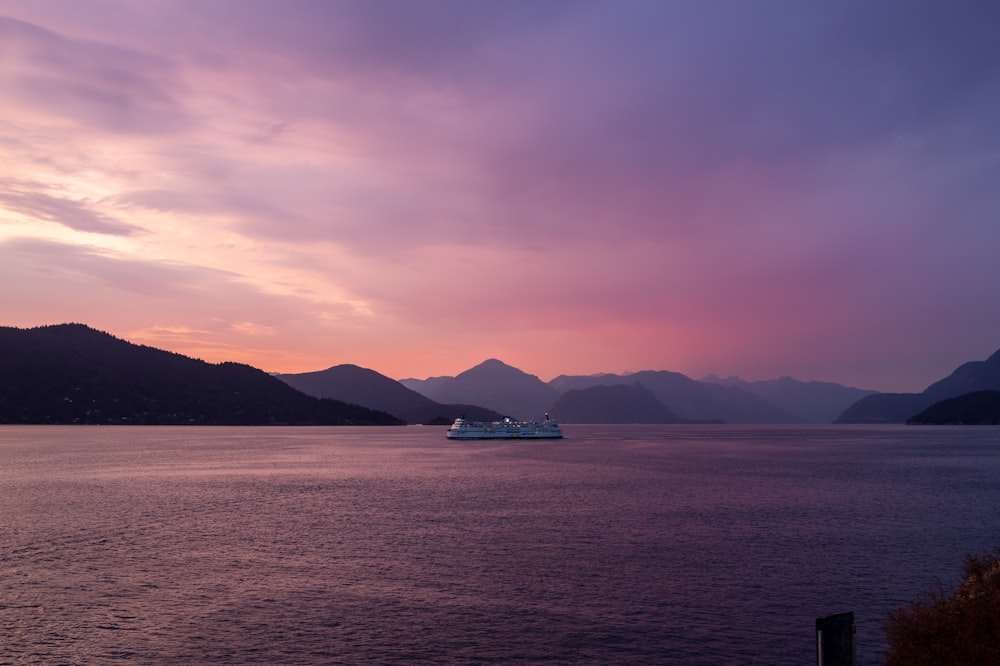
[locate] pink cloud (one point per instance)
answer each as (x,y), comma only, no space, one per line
(743,189)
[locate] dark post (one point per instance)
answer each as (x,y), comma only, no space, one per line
(835,640)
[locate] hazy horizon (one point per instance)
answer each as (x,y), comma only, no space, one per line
(742,189)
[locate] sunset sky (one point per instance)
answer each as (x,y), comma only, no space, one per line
(743,188)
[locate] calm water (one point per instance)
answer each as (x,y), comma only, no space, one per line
(636,544)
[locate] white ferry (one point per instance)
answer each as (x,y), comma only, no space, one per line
(507,428)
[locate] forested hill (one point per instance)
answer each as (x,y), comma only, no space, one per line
(976,408)
(71,373)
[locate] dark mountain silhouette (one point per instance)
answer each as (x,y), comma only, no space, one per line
(690,400)
(811,402)
(620,403)
(967,378)
(900,407)
(977,408)
(500,387)
(357,385)
(71,373)
(361,386)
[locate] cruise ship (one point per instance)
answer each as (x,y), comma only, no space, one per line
(507,428)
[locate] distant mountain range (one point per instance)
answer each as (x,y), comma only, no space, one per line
(691,400)
(70,373)
(901,407)
(615,403)
(813,402)
(659,396)
(676,397)
(361,386)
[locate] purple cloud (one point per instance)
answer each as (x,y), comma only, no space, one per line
(106,86)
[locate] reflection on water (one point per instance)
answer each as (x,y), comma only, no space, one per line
(634,544)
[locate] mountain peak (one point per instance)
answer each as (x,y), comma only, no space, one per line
(493,368)
(494,363)
(498,386)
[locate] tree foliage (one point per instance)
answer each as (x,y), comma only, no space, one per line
(956,627)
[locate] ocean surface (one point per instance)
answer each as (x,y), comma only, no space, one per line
(620,544)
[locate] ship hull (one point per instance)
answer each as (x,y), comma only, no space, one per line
(505,435)
(506,429)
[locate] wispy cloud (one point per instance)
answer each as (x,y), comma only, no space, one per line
(95,84)
(77,215)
